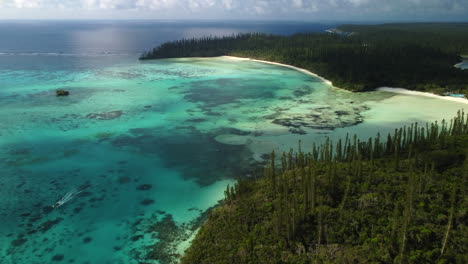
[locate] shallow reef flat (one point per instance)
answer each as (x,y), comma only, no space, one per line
(156,143)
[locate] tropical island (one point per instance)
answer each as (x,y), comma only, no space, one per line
(418,57)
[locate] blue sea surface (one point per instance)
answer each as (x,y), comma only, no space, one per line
(140,150)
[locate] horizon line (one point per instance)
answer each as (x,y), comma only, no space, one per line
(330,21)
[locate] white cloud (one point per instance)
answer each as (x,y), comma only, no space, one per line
(289,9)
(297,3)
(27,3)
(228,4)
(358,2)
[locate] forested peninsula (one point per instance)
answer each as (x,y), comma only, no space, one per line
(418,57)
(399,198)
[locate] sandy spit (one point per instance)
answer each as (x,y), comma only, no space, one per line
(409,92)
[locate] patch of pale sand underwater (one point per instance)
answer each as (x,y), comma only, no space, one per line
(382,116)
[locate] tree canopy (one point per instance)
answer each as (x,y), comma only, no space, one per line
(397,199)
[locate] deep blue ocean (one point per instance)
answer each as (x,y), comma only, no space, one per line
(97,43)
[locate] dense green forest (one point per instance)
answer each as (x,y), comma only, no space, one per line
(399,198)
(414,56)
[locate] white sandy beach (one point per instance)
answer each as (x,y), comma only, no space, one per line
(462,65)
(283,65)
(409,92)
(381,89)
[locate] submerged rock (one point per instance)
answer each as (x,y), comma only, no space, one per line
(44,227)
(105,116)
(47,209)
(297,131)
(58,257)
(124,179)
(86,240)
(117,248)
(144,187)
(25,214)
(136,237)
(18,242)
(196,120)
(147,202)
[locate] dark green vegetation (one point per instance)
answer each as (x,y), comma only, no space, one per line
(414,56)
(397,199)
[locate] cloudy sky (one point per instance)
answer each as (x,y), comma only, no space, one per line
(313,10)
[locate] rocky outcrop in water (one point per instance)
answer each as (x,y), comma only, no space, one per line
(62,92)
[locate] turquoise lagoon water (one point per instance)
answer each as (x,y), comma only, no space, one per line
(153,144)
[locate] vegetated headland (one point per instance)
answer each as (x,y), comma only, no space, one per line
(396,198)
(418,57)
(399,198)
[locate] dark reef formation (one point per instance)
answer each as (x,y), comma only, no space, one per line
(105,116)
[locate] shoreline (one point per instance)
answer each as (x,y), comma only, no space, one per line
(287,66)
(464,59)
(458,65)
(379,89)
(425,94)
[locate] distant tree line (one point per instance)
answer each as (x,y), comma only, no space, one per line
(414,56)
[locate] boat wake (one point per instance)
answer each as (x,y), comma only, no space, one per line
(70,195)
